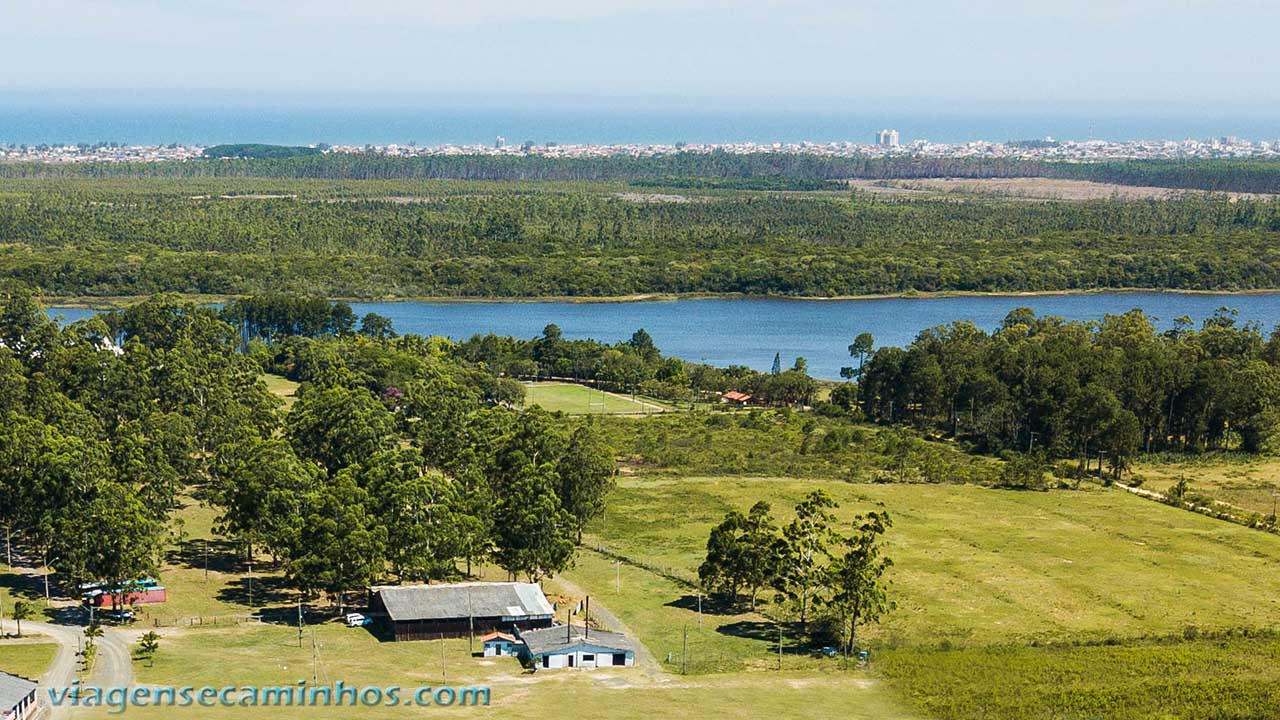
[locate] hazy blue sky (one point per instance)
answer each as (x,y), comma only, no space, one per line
(678,53)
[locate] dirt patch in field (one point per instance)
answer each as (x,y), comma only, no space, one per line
(1025,189)
(653,198)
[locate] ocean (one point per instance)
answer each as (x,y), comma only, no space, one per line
(26,121)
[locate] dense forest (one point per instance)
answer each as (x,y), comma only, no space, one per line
(401,238)
(1252,175)
(395,461)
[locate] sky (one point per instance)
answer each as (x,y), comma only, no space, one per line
(705,54)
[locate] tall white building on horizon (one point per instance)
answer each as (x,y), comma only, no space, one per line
(888,138)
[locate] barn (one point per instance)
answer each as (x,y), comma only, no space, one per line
(427,612)
(571,646)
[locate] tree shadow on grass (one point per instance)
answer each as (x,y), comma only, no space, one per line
(794,642)
(28,583)
(217,555)
(265,591)
(711,605)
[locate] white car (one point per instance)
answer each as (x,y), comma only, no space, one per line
(356,620)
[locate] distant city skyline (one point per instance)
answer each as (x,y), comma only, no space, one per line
(1172,56)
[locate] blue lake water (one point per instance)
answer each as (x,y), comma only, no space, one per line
(749,331)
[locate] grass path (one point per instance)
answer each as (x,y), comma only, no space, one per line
(644,658)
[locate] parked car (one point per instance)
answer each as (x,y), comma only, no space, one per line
(115,616)
(357,620)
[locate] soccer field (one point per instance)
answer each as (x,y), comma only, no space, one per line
(582,400)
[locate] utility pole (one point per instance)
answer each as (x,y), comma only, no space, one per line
(442,673)
(315,660)
(684,649)
(779,646)
(299,620)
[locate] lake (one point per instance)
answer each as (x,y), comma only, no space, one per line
(749,331)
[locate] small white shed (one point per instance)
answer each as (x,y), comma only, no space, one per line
(566,646)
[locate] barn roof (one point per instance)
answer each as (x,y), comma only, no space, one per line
(462,600)
(558,639)
(13,689)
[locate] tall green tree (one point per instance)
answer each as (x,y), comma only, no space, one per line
(420,509)
(533,534)
(857,589)
(259,486)
(339,546)
(339,426)
(805,550)
(587,475)
(22,610)
(743,553)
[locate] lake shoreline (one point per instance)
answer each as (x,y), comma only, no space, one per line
(108,302)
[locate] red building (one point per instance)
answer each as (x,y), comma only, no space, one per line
(142,592)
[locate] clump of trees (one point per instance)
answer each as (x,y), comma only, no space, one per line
(634,365)
(99,439)
(812,568)
(1097,391)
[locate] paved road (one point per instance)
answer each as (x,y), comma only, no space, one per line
(113,667)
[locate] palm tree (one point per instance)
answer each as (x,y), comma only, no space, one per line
(22,610)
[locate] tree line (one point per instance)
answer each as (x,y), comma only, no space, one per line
(137,237)
(1254,175)
(635,365)
(1104,390)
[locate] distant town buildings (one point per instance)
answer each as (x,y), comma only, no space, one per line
(888,139)
(885,142)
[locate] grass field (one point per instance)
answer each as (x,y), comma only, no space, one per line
(270,655)
(1219,678)
(1011,604)
(1067,604)
(283,388)
(581,400)
(28,657)
(975,566)
(1245,481)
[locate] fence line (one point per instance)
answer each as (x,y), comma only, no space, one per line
(202,620)
(665,572)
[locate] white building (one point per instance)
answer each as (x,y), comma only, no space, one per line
(17,698)
(566,646)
